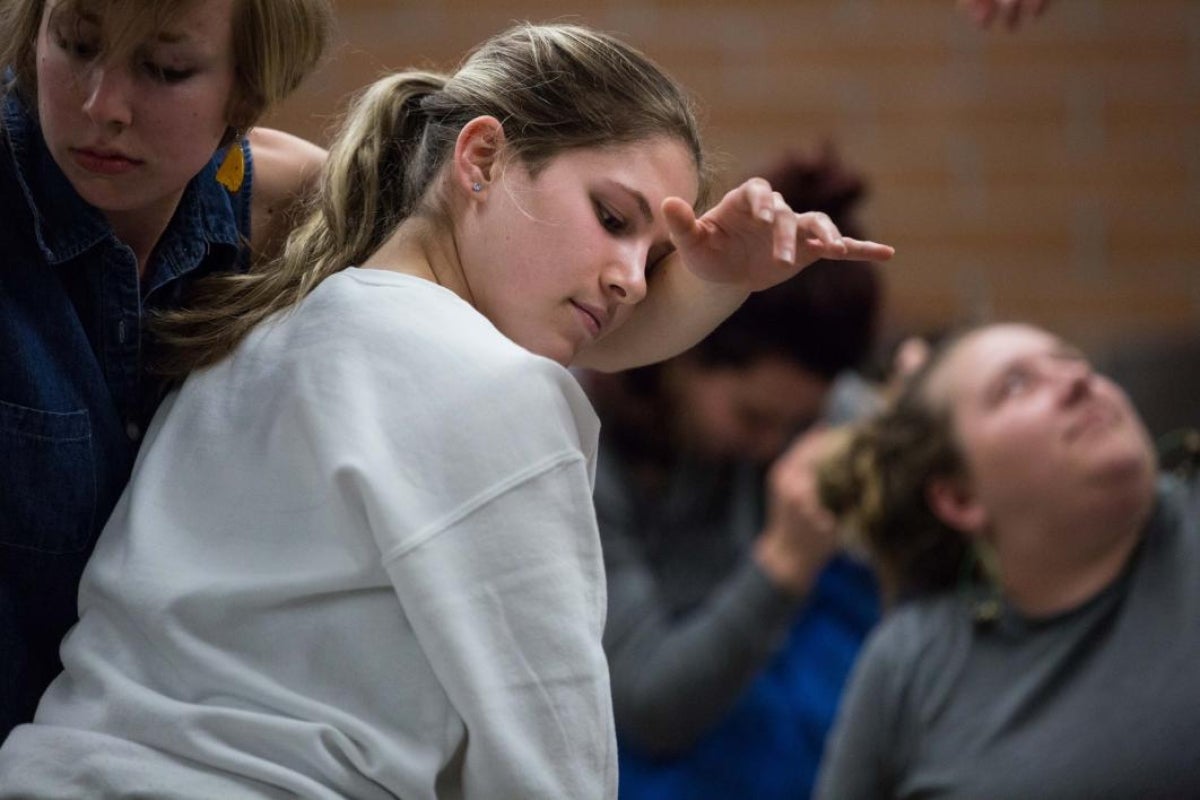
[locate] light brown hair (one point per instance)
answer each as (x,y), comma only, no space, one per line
(553,87)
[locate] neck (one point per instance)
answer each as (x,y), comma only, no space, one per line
(1057,567)
(419,247)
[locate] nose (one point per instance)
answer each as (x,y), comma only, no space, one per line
(625,276)
(1075,381)
(109,96)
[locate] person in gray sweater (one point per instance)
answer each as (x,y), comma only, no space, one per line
(1047,579)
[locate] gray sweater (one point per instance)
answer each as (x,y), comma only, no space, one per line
(686,631)
(1102,701)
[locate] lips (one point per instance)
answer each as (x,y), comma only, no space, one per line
(104,161)
(595,318)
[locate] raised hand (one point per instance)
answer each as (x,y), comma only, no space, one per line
(1009,12)
(754,240)
(800,535)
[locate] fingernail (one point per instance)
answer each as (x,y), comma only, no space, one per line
(766,215)
(785,255)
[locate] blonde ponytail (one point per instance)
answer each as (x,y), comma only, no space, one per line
(553,87)
(364,194)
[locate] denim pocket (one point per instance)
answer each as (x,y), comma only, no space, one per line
(47,479)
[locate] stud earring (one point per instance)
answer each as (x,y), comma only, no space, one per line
(476,187)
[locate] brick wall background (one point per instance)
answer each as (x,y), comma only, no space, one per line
(1051,174)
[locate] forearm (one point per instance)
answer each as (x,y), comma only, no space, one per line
(674,679)
(680,309)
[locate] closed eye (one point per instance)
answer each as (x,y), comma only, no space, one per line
(610,220)
(166,74)
(80,49)
(1013,382)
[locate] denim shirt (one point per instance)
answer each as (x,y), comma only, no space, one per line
(74,398)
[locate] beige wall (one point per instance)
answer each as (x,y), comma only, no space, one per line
(1052,174)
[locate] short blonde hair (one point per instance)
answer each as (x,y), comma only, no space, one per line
(276,43)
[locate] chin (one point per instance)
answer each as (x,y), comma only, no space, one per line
(1128,473)
(562,355)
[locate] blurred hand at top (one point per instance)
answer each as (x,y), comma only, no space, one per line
(1010,13)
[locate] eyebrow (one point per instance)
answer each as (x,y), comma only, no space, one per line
(642,203)
(163,36)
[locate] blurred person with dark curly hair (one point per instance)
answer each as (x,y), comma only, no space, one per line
(733,618)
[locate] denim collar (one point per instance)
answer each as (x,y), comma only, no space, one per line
(66,225)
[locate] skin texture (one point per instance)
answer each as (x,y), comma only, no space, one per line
(286,168)
(750,233)
(1060,469)
(130,130)
(748,241)
(559,259)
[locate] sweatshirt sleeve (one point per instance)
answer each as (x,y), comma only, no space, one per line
(507,602)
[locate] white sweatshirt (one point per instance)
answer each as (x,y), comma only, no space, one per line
(358,559)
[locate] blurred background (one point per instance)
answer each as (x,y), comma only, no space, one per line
(1050,173)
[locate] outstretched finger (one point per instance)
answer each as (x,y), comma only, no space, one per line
(867,251)
(849,250)
(784,245)
(820,233)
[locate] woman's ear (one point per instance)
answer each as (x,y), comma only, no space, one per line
(477,154)
(952,500)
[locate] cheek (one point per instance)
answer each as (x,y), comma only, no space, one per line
(1007,455)
(56,87)
(190,116)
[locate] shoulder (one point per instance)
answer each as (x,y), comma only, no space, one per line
(286,169)
(402,337)
(916,641)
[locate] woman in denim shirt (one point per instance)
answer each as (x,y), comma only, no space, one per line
(125,173)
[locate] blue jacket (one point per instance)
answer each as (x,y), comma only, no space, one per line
(74,396)
(768,747)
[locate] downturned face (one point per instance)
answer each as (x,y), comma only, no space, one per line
(559,259)
(746,413)
(1040,431)
(130,130)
